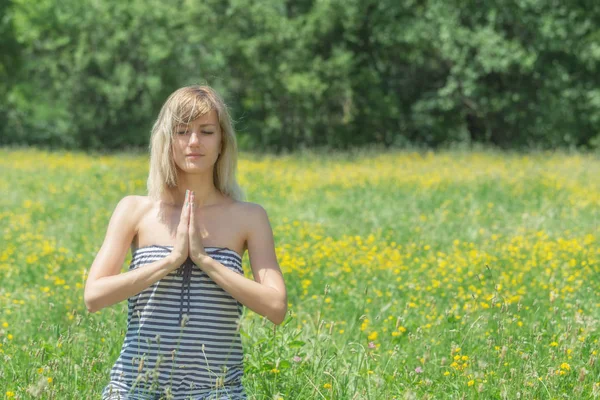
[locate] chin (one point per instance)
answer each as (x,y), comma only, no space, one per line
(198,169)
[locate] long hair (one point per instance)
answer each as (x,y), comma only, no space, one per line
(182,106)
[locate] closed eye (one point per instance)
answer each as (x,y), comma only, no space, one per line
(185,132)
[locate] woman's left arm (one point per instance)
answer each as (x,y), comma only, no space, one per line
(266,294)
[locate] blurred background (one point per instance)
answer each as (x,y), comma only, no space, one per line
(92,74)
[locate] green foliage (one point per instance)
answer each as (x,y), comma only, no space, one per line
(482,273)
(298,74)
(97,67)
(9,65)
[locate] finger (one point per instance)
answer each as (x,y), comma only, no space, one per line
(184,218)
(192,212)
(186,209)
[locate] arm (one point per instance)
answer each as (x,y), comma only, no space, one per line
(266,295)
(105,284)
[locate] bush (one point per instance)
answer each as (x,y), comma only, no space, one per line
(333,74)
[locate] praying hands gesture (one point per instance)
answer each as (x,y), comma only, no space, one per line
(189,236)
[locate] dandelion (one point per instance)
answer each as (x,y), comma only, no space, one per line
(373,336)
(327,386)
(471,382)
(364,324)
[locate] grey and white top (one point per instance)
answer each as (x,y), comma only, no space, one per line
(182,337)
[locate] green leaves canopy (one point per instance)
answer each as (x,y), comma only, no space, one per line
(93,74)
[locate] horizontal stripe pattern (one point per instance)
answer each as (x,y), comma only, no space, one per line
(201,356)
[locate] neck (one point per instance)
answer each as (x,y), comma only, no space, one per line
(204,189)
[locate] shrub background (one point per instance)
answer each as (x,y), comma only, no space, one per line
(511,73)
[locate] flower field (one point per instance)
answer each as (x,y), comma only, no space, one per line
(450,275)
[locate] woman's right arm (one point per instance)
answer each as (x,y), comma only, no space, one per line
(105,284)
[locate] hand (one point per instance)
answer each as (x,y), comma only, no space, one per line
(181,248)
(196,251)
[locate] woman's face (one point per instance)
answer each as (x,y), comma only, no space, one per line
(197,145)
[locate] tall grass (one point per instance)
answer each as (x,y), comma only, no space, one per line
(410,275)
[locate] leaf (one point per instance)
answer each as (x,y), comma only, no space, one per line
(296,343)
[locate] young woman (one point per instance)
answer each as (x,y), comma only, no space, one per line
(185,285)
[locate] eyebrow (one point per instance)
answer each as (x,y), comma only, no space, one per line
(186,125)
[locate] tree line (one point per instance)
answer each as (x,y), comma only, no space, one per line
(92,75)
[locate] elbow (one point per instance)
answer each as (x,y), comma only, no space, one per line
(277,319)
(91,307)
(90,302)
(278,313)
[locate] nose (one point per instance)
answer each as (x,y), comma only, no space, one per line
(194,138)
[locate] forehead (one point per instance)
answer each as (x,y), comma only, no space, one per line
(209,118)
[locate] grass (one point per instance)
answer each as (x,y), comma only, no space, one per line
(449,275)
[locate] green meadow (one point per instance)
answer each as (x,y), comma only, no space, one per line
(410,275)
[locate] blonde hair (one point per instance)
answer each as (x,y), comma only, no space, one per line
(184,105)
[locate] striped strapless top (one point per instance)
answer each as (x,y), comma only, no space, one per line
(182,335)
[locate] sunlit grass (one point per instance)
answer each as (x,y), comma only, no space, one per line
(410,275)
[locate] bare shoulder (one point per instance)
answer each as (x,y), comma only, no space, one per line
(133,208)
(248,207)
(135,205)
(142,203)
(258,237)
(248,212)
(251,219)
